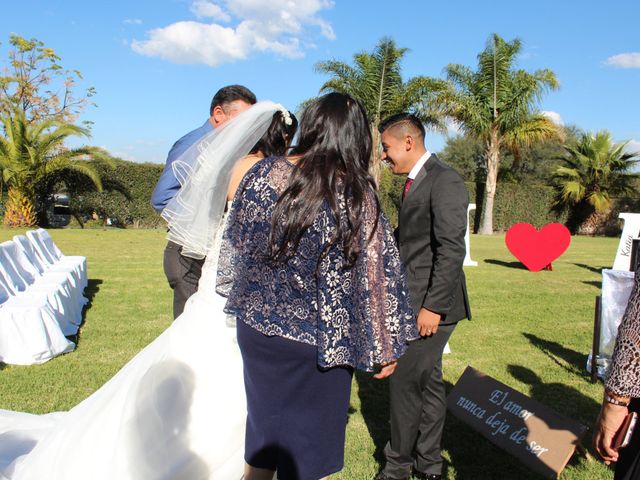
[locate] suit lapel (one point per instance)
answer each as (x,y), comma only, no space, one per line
(422,175)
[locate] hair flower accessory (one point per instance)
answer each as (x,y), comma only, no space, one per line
(286,116)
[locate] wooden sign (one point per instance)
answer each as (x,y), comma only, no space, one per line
(539,437)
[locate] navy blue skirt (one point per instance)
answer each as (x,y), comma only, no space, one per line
(296,412)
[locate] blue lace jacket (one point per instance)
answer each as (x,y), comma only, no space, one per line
(358,316)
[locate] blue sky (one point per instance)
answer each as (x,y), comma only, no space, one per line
(156,64)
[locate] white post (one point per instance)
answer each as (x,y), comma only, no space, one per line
(630,231)
(467,258)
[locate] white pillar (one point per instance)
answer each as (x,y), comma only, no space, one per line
(467,258)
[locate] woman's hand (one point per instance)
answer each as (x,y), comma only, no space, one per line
(386,370)
(609,421)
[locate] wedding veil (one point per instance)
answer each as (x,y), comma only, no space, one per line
(204,171)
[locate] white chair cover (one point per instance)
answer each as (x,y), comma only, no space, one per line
(60,295)
(29,260)
(55,256)
(47,258)
(41,299)
(42,267)
(29,329)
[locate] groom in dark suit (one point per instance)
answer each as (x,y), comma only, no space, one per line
(432,224)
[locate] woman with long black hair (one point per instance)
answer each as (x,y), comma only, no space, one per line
(312,273)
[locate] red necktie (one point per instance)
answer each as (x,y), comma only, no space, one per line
(407,186)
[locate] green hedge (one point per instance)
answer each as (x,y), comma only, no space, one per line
(514,203)
(126,197)
(128,187)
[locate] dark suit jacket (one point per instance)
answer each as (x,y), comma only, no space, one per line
(431,227)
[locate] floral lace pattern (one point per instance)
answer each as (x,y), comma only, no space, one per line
(359,316)
(623,377)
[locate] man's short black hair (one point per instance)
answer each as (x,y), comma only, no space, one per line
(231,93)
(405,118)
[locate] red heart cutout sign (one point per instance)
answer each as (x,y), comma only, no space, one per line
(537,249)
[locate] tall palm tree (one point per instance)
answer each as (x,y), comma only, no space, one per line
(375,80)
(595,170)
(33,153)
(497,105)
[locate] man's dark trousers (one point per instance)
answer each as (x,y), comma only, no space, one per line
(183,274)
(418,407)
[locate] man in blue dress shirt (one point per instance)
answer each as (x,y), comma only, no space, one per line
(183,273)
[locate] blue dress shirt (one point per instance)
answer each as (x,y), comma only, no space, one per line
(168,185)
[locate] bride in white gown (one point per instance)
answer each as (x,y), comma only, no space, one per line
(177,410)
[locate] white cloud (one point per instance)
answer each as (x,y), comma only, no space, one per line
(554,117)
(276,26)
(205,9)
(624,60)
(132,21)
(633,146)
(453,128)
(128,156)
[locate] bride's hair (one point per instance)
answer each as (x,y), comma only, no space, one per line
(335,149)
(278,136)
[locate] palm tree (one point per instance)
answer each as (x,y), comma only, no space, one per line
(375,80)
(31,154)
(595,169)
(497,105)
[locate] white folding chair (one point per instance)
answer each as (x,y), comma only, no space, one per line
(22,284)
(29,331)
(5,295)
(37,267)
(59,274)
(79,263)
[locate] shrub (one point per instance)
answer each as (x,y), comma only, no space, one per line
(125,200)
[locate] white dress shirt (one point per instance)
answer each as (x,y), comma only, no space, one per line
(419,164)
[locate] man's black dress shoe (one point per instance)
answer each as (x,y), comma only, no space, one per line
(418,475)
(427,476)
(383,476)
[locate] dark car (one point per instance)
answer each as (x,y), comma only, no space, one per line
(58,212)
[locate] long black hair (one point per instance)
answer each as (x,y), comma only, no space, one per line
(278,136)
(335,148)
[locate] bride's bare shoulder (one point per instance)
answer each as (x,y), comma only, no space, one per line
(240,169)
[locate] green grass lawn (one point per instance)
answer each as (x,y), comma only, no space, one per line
(531,331)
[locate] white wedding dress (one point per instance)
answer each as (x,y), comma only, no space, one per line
(177,410)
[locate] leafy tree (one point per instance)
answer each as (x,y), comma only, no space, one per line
(539,161)
(466,155)
(497,105)
(35,82)
(533,165)
(595,170)
(32,156)
(375,80)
